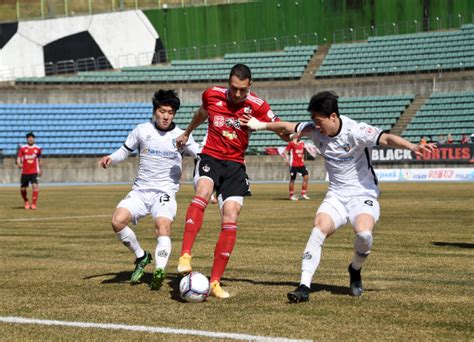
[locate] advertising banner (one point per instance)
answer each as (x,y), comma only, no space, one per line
(450,153)
(420,175)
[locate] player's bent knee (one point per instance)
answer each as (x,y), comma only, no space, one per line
(363,243)
(120,219)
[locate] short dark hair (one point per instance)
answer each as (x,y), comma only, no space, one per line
(30,134)
(166,98)
(241,71)
(324,102)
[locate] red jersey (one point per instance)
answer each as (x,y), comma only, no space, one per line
(29,156)
(297,153)
(225,138)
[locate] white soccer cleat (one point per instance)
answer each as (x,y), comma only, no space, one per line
(293,198)
(306,197)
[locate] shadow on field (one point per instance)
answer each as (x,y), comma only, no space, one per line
(453,244)
(172,279)
(334,289)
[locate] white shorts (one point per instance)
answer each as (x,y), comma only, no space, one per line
(343,208)
(144,202)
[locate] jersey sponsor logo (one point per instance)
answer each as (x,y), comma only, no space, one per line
(158,153)
(248,110)
(307,256)
(219,121)
(229,135)
(232,123)
(369,202)
(206,168)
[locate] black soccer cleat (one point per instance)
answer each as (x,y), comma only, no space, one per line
(355,282)
(301,294)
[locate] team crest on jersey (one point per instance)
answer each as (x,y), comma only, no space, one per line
(346,147)
(206,168)
(369,131)
(248,110)
(219,121)
(229,135)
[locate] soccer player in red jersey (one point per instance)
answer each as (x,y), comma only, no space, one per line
(296,149)
(221,166)
(30,162)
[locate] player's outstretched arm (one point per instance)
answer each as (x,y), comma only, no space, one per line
(387,139)
(199,117)
(279,127)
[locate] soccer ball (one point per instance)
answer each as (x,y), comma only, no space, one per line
(194,287)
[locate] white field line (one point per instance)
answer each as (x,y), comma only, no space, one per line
(54,218)
(142,328)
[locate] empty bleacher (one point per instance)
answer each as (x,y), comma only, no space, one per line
(408,53)
(443,113)
(287,64)
(98,129)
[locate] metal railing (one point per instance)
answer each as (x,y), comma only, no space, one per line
(46,9)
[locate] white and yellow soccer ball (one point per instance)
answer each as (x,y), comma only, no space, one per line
(194,287)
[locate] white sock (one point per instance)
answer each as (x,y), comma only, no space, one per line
(129,239)
(312,256)
(362,246)
(162,251)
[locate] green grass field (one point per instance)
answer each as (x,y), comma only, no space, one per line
(63,262)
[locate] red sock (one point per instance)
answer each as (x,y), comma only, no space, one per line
(35,196)
(24,195)
(194,218)
(223,250)
(303,189)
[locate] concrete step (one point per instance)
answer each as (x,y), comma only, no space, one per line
(408,114)
(314,63)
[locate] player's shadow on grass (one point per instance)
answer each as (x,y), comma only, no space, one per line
(334,289)
(453,244)
(172,279)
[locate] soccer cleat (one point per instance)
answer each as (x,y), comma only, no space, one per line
(157,279)
(140,267)
(293,198)
(184,264)
(305,197)
(355,282)
(301,294)
(33,206)
(27,205)
(217,291)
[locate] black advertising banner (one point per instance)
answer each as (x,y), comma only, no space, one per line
(449,153)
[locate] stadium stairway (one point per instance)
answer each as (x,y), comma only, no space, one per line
(314,64)
(408,114)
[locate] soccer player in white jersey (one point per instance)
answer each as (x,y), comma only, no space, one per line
(156,183)
(352,194)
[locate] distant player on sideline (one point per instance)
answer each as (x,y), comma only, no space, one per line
(156,184)
(346,147)
(296,162)
(221,166)
(30,162)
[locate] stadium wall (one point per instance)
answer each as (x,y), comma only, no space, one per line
(239,23)
(191,93)
(84,170)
